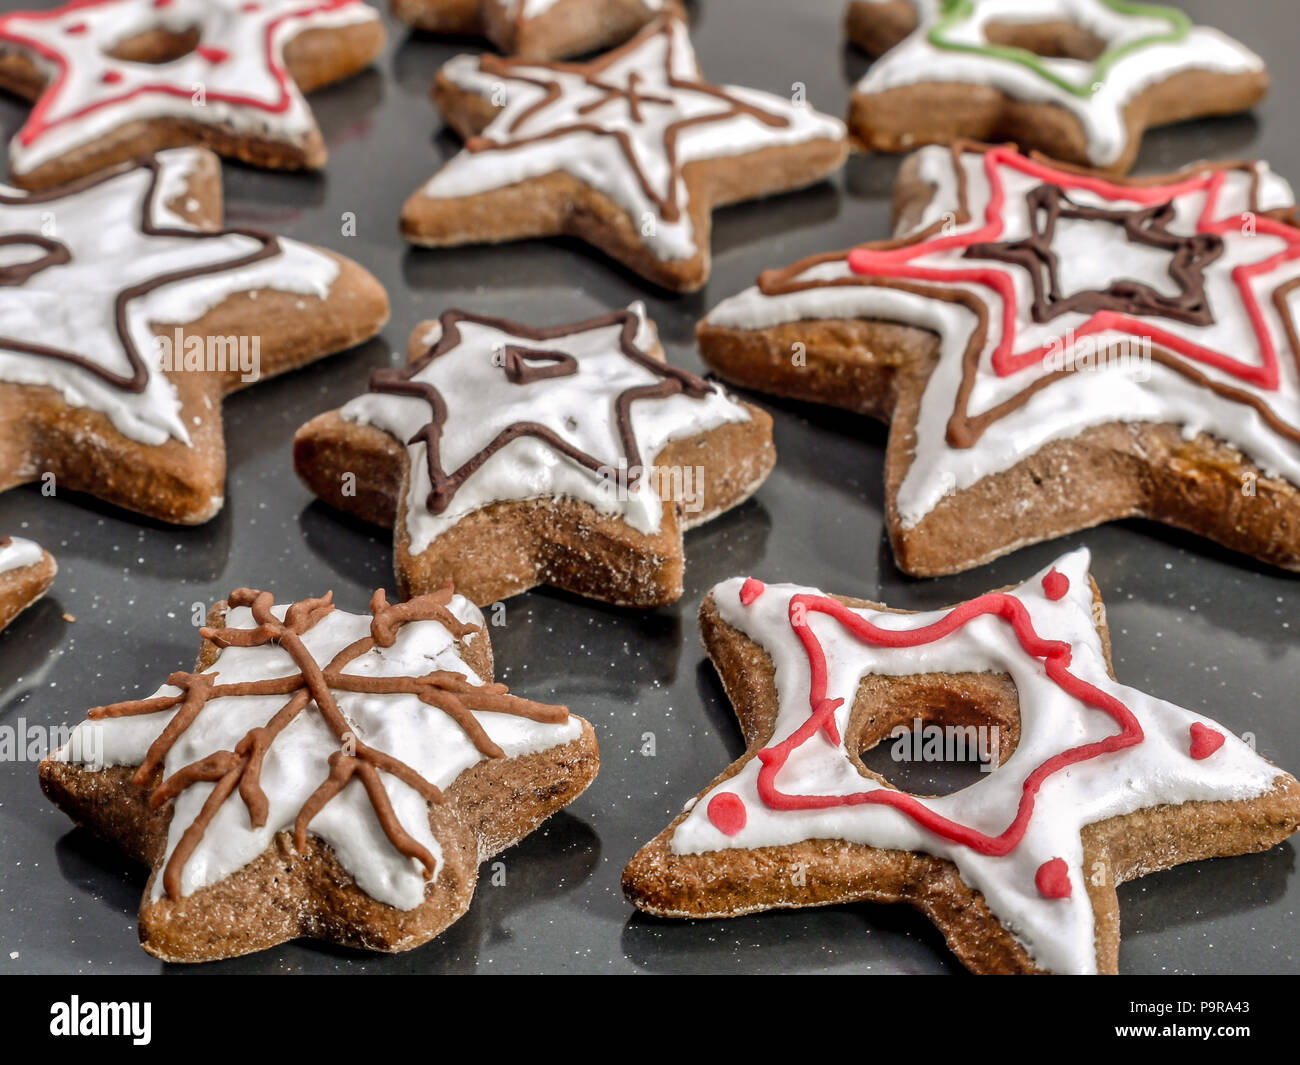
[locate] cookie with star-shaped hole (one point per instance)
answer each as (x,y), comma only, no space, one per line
(1090,783)
(320,774)
(113,80)
(536,29)
(506,456)
(1053,350)
(127,314)
(1080,80)
(630,152)
(26,573)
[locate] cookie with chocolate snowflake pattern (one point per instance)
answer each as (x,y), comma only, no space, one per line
(320,774)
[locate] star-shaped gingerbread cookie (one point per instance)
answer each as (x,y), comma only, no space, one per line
(1092,784)
(26,573)
(114,80)
(1080,80)
(630,152)
(536,29)
(127,313)
(507,456)
(1054,350)
(320,774)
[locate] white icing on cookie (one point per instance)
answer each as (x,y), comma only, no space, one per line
(71,306)
(425,738)
(916,60)
(598,159)
(1057,932)
(482,402)
(1091,255)
(235,79)
(19,554)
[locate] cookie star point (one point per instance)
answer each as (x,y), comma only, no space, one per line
(26,573)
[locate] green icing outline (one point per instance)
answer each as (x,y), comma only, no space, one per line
(955,11)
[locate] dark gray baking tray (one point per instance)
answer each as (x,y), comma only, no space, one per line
(1199,627)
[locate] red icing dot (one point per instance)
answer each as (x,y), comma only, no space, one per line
(162,3)
(248,9)
(111,77)
(1205,741)
(727,812)
(1053,879)
(75,28)
(1055,584)
(751,590)
(213,55)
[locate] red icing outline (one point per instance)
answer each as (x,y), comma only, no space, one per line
(36,125)
(1056,655)
(1205,741)
(892,263)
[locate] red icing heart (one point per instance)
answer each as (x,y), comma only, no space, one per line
(727,812)
(1053,879)
(751,590)
(1055,584)
(1205,741)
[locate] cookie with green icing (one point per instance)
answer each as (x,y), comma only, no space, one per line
(1080,80)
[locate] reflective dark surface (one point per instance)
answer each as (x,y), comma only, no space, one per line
(1191,623)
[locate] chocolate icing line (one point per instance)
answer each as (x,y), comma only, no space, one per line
(138,379)
(56,253)
(519,371)
(1148,225)
(402,382)
(965,430)
(240,768)
(668,205)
